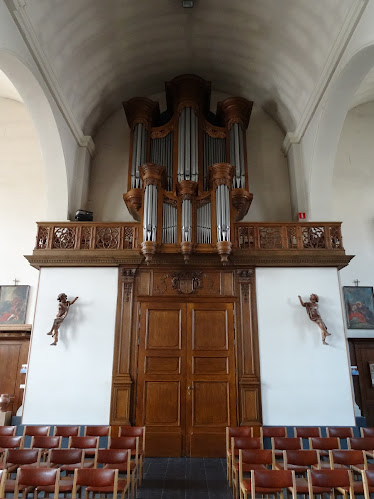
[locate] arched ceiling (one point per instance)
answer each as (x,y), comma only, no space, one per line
(7,89)
(106,51)
(365,92)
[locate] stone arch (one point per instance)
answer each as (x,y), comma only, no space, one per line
(45,124)
(330,126)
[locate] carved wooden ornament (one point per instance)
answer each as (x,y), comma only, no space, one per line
(187,283)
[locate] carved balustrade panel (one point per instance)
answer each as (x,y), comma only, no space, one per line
(87,236)
(185,283)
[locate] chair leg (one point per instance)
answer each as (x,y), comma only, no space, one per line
(228,463)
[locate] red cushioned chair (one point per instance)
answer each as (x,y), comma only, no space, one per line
(119,459)
(8,442)
(14,459)
(33,431)
(252,459)
(136,431)
(8,431)
(368,482)
(98,481)
(29,479)
(324,444)
(97,431)
(90,445)
(241,443)
(68,459)
(342,432)
(364,443)
(66,431)
(330,481)
(279,444)
(131,443)
(234,431)
(299,461)
(367,432)
(45,444)
(267,482)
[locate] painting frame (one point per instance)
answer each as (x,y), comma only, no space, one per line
(13,304)
(359,307)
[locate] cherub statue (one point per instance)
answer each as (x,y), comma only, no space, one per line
(63,309)
(314,315)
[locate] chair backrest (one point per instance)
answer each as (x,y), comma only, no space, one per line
(347,457)
(245,443)
(368,482)
(97,431)
(8,442)
(324,443)
(37,477)
(33,431)
(46,442)
(134,431)
(307,431)
(62,457)
(83,442)
(66,431)
(340,431)
(124,443)
(273,479)
(115,456)
(301,458)
(273,431)
(3,475)
(8,431)
(22,456)
(284,443)
(364,443)
(104,477)
(257,456)
(237,431)
(366,432)
(330,479)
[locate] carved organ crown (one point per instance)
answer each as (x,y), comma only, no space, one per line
(188,169)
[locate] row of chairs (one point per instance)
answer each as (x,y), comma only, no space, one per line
(48,480)
(309,431)
(318,482)
(124,459)
(64,431)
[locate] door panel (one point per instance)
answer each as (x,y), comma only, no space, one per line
(211,396)
(161,377)
(186,377)
(13,353)
(364,350)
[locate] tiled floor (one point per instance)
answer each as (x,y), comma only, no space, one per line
(184,478)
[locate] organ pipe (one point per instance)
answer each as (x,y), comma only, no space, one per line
(192,158)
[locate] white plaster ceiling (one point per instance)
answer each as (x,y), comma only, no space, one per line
(365,92)
(106,51)
(7,89)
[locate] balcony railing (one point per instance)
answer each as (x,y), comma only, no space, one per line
(250,236)
(87,236)
(288,236)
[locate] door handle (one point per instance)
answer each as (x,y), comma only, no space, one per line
(190,387)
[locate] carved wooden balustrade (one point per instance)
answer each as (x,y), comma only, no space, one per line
(87,236)
(254,244)
(288,236)
(248,235)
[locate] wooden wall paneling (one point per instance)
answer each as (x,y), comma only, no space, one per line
(364,350)
(14,349)
(122,380)
(248,350)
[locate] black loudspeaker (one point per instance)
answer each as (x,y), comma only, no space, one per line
(84,216)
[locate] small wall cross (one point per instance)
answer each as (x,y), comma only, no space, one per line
(15,281)
(357,282)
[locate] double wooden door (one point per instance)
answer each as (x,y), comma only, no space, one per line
(186,390)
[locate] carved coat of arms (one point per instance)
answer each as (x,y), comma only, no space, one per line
(187,283)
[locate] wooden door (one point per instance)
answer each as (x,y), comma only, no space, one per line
(161,383)
(186,377)
(13,353)
(211,394)
(364,351)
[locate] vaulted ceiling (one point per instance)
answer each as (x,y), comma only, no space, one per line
(103,52)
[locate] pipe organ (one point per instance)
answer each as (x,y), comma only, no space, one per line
(188,169)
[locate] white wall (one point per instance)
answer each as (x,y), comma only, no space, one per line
(303,382)
(267,167)
(22,194)
(71,383)
(353,195)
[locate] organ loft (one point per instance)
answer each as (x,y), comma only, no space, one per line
(188,169)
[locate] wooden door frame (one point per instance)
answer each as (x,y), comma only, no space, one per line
(235,283)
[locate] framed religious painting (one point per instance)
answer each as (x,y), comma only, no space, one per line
(13,304)
(359,307)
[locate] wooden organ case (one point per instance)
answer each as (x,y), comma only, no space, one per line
(186,362)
